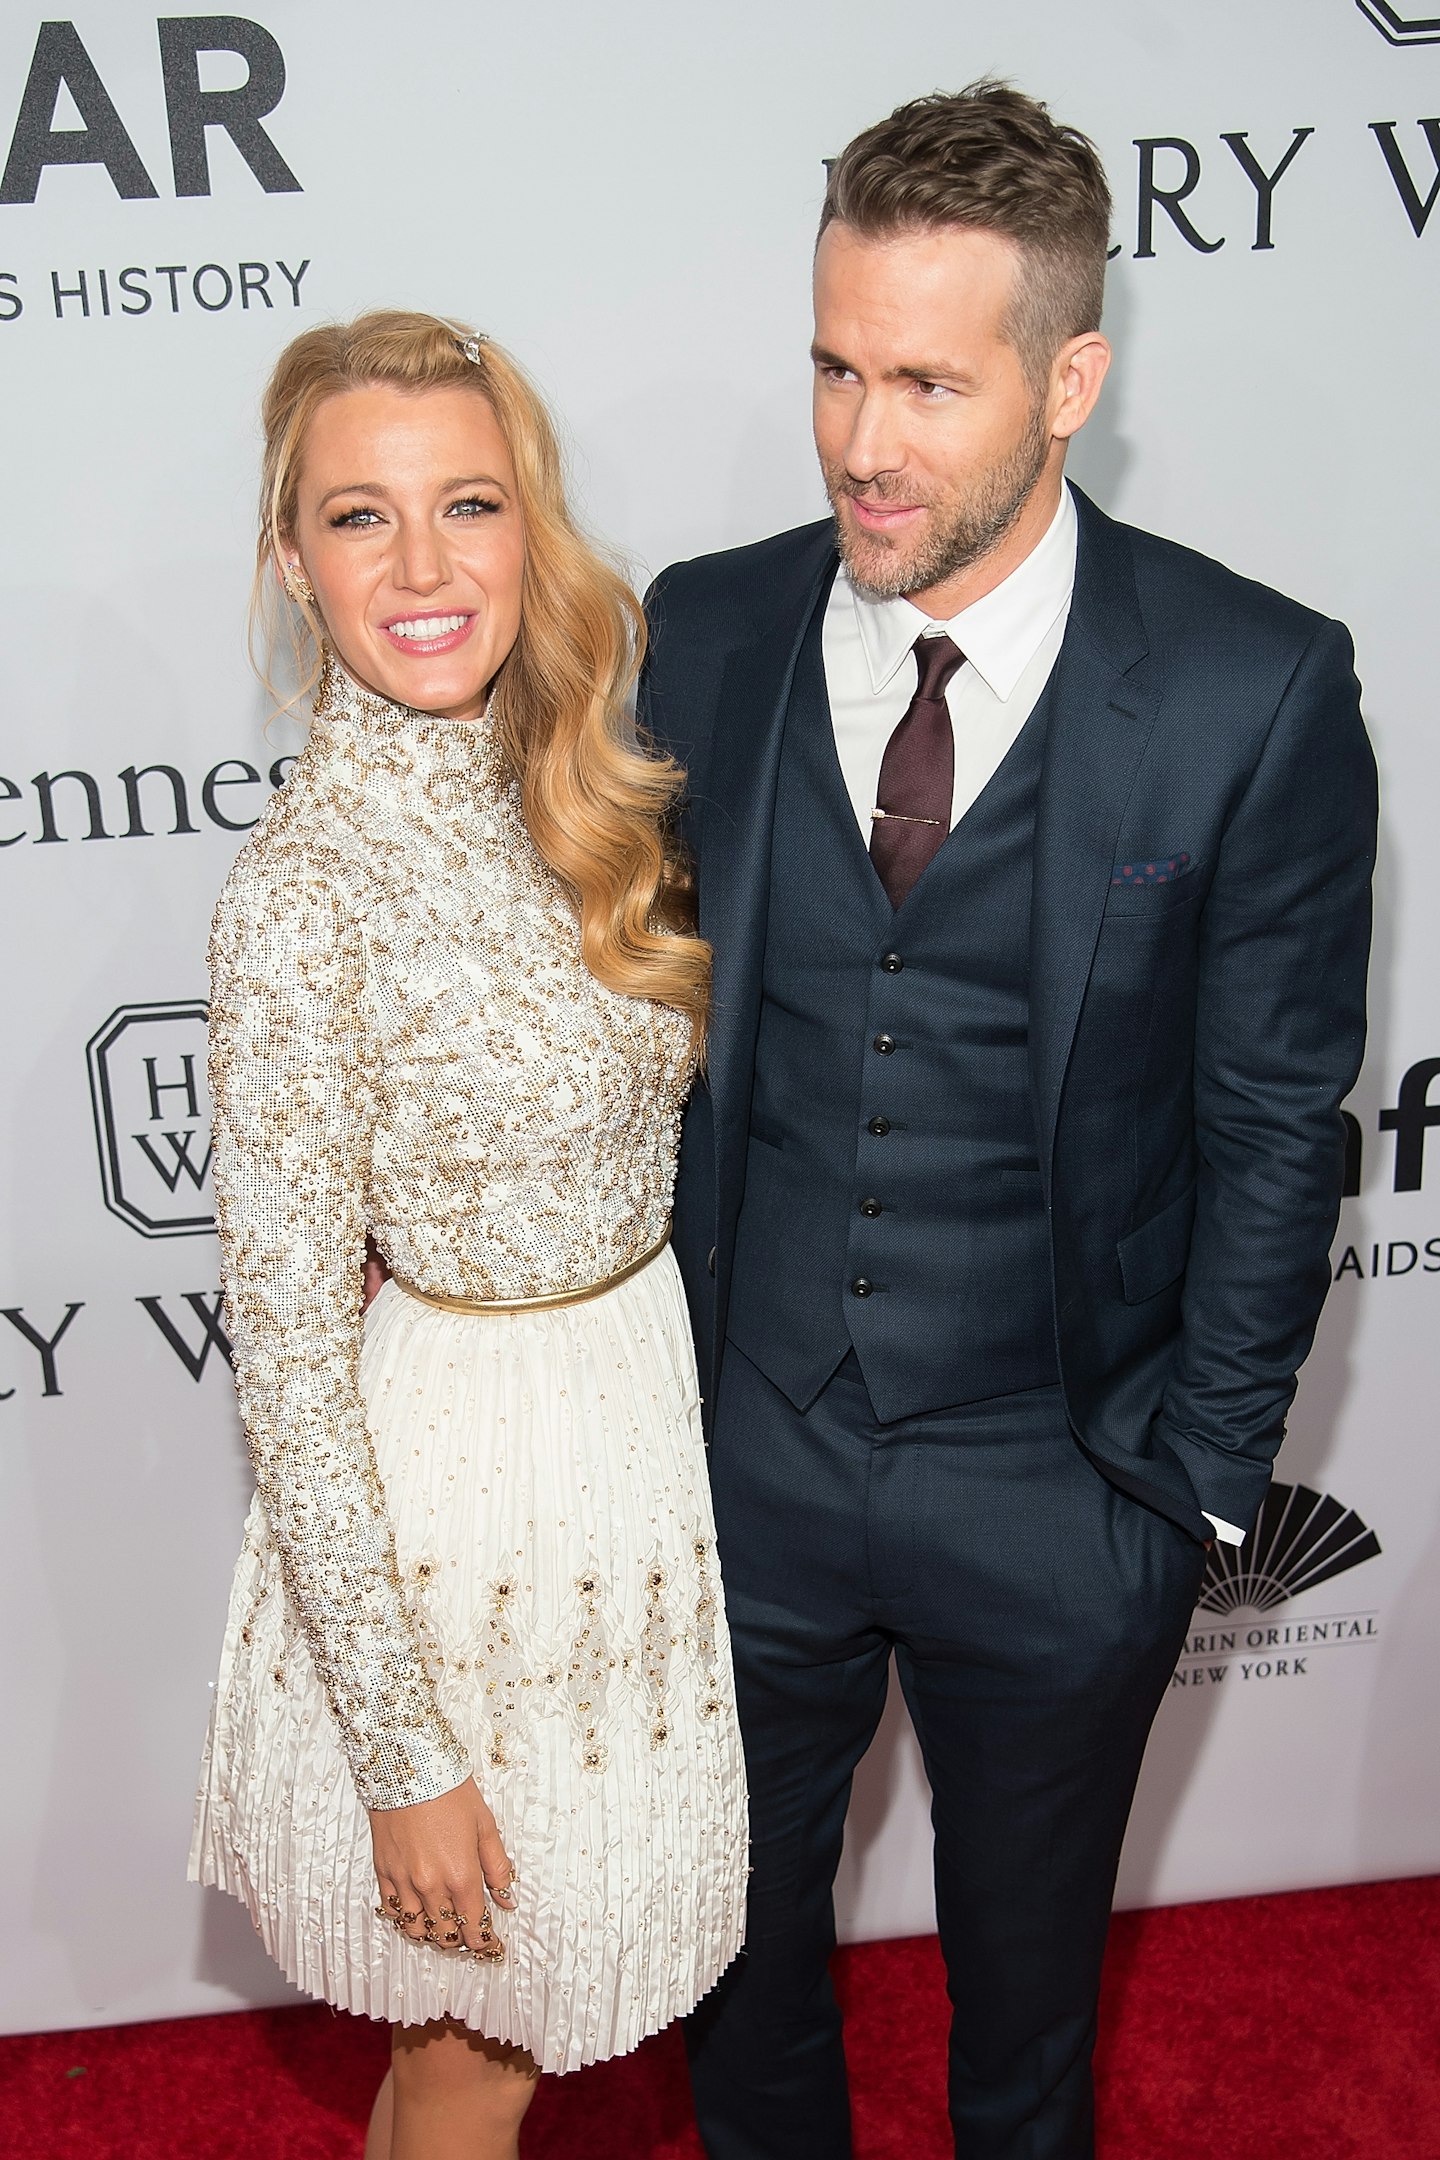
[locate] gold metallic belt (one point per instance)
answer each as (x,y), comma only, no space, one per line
(548,1301)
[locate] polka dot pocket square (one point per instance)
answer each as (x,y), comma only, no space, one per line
(1150,870)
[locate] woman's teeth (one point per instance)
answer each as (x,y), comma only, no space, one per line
(424,630)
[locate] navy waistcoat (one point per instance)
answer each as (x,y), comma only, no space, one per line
(892,1198)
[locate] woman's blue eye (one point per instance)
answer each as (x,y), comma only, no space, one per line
(362,516)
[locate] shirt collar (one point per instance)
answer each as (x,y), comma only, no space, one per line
(999,635)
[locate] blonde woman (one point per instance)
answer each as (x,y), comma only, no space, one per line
(473,1764)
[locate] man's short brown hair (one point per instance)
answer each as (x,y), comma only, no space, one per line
(990,159)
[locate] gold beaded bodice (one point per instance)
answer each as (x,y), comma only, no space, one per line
(404,1040)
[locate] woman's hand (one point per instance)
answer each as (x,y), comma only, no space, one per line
(439,1864)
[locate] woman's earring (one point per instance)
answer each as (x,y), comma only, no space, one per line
(297,585)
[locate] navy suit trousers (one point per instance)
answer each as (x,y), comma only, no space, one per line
(1035,1614)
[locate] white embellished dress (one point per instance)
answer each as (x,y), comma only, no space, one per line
(481,1543)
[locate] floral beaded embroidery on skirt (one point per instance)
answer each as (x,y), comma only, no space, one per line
(546,1478)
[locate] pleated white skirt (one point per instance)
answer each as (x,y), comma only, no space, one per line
(546,1478)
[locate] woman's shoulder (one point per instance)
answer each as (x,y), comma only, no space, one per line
(304,865)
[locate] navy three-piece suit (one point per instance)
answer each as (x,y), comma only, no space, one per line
(1005,1221)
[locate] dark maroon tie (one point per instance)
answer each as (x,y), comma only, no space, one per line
(917,775)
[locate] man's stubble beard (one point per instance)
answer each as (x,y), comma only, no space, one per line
(966,529)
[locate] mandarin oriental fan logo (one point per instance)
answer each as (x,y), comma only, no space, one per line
(1240,1634)
(1302,1539)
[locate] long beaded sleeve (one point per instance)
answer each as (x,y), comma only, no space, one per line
(293,1109)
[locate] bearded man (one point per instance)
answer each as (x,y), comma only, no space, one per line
(1035,853)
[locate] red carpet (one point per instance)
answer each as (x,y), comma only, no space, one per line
(1305,2026)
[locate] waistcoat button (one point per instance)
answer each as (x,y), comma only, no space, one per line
(871,1207)
(860,1287)
(892,963)
(879,1126)
(884,1044)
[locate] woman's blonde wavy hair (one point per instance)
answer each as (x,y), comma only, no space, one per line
(598,802)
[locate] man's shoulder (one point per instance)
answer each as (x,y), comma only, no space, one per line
(737,583)
(1188,599)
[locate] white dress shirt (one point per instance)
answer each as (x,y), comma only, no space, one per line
(1011,640)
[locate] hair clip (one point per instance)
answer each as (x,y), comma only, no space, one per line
(470,346)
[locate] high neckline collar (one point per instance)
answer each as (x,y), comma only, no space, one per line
(399,733)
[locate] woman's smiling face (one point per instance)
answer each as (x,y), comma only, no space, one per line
(408,527)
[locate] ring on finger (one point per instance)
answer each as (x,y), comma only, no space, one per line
(490,1950)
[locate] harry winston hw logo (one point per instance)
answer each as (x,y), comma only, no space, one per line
(1401,25)
(152,1117)
(1301,1538)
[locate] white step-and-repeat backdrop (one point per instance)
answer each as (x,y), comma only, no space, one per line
(626,195)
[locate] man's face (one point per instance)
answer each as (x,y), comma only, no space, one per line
(931,437)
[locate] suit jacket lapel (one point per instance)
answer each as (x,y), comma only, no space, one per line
(735,824)
(1103,706)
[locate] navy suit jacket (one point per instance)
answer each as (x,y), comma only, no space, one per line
(1191,1040)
